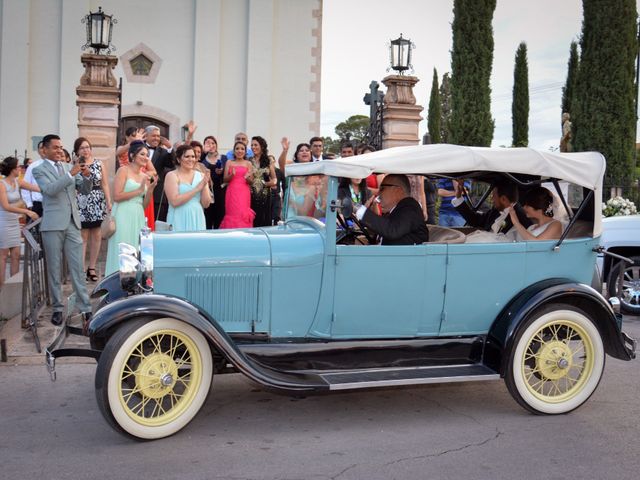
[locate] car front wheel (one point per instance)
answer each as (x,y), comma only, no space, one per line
(557,360)
(624,283)
(153,376)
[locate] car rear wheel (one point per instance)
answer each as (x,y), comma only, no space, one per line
(153,377)
(557,360)
(624,283)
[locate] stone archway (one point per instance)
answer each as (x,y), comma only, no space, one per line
(154,115)
(140,122)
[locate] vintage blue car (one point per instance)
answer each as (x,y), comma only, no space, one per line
(315,305)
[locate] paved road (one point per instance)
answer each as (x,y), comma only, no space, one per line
(472,431)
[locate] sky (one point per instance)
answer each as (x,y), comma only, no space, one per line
(356,35)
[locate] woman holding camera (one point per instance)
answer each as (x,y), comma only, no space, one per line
(92,206)
(132,192)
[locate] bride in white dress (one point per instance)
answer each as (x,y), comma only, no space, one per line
(538,206)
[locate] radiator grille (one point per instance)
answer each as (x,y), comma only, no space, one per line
(228,297)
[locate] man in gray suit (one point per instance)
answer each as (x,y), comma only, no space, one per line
(60,225)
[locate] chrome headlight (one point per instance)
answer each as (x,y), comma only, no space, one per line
(129,266)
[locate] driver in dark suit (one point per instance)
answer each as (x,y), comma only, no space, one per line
(402,222)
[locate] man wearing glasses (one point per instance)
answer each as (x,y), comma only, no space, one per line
(402,222)
(317,149)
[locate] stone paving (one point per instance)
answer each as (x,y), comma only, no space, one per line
(20,344)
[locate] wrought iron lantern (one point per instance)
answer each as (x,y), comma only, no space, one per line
(99,30)
(400,54)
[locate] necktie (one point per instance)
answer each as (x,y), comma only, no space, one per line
(59,168)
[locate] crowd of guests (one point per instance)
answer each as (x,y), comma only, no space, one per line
(191,186)
(186,186)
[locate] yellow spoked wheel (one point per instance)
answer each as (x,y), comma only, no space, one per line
(557,362)
(153,377)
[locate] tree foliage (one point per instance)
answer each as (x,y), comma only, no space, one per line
(520,105)
(353,128)
(471,62)
(434,110)
(572,73)
(604,101)
(445,109)
(330,145)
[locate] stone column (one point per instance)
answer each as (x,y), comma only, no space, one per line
(400,123)
(98,98)
(401,115)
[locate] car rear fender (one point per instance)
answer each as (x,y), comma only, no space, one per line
(500,340)
(113,315)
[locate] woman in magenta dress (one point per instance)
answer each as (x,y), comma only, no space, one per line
(238,173)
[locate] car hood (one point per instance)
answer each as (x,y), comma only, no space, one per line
(621,230)
(621,221)
(293,244)
(230,248)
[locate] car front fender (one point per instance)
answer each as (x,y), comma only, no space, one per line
(108,319)
(108,290)
(500,340)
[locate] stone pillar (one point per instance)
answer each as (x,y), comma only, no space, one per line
(401,115)
(98,98)
(400,123)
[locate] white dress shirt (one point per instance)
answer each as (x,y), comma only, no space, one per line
(27,195)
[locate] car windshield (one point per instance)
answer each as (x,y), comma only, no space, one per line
(306,196)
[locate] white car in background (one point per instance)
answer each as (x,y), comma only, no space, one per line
(621,236)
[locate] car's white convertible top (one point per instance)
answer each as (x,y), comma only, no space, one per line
(585,168)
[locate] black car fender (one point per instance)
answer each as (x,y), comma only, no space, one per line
(152,306)
(501,336)
(108,290)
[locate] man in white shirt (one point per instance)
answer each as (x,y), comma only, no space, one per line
(33,199)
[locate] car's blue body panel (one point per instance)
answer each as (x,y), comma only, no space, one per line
(230,274)
(388,291)
(482,278)
(292,281)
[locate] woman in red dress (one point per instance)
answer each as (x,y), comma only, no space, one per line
(238,173)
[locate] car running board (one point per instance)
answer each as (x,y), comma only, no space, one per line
(388,377)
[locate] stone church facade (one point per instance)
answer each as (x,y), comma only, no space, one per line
(230,65)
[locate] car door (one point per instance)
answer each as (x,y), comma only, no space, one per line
(388,291)
(481,279)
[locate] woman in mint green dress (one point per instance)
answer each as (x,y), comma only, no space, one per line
(187,192)
(132,191)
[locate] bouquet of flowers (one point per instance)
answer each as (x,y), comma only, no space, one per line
(618,206)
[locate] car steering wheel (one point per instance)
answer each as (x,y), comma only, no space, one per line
(364,230)
(350,231)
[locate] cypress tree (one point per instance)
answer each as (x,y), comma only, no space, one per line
(520,105)
(604,102)
(471,61)
(445,108)
(572,72)
(434,110)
